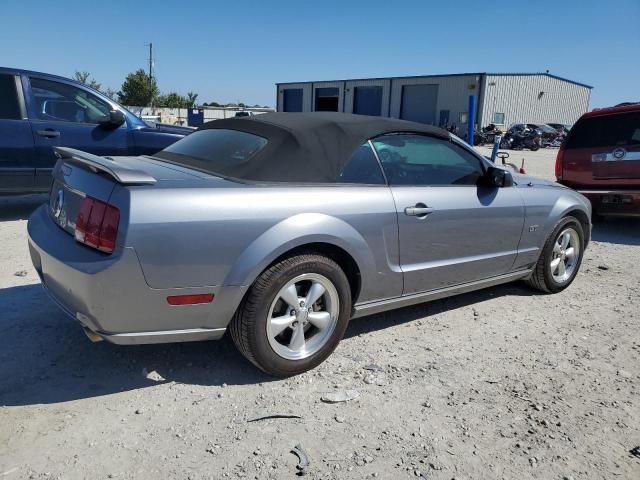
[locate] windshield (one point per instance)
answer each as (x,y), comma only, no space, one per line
(214,150)
(546,128)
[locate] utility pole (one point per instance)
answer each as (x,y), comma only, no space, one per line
(151,63)
(151,70)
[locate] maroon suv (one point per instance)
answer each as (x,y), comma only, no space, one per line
(601,159)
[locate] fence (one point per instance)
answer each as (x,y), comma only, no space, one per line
(178,116)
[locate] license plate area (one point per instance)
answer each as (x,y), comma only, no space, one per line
(616,199)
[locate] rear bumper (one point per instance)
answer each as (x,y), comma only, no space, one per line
(613,201)
(108,294)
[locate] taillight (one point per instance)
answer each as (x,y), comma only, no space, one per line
(97,225)
(559,159)
(190,299)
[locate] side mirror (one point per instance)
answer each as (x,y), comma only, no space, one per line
(496,177)
(113,120)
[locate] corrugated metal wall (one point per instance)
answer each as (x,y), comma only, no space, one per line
(517,96)
(533,98)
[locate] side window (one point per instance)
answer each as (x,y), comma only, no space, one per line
(421,160)
(9,105)
(498,118)
(362,168)
(66,103)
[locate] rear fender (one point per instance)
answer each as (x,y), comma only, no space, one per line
(297,231)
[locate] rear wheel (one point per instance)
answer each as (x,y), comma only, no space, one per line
(561,257)
(294,315)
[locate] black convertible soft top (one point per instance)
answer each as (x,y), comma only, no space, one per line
(309,147)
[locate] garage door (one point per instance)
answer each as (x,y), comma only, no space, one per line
(327,99)
(419,103)
(367,100)
(292,100)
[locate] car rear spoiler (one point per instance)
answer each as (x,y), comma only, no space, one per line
(120,173)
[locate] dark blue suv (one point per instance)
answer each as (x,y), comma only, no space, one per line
(39,111)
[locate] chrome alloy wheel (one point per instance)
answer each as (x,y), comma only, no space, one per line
(302,317)
(566,252)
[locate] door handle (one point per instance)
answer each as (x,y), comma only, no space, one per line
(418,210)
(49,133)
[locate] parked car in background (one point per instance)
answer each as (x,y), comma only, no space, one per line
(601,159)
(39,111)
(283,226)
(560,128)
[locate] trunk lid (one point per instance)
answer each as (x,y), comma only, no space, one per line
(79,174)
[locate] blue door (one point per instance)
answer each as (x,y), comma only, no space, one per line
(367,100)
(292,100)
(16,142)
(63,114)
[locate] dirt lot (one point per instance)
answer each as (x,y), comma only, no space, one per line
(500,383)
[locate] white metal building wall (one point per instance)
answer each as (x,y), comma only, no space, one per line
(517,96)
(453,94)
(349,93)
(533,98)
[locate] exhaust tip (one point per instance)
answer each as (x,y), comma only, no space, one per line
(94,337)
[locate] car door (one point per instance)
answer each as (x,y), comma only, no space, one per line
(17,153)
(65,114)
(451,230)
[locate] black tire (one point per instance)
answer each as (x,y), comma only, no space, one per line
(542,278)
(249,326)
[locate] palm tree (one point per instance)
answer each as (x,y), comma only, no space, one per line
(191,97)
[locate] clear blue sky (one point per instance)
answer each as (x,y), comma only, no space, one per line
(238,50)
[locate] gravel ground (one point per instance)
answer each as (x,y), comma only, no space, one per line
(500,383)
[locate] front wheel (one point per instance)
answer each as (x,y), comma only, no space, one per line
(561,257)
(294,315)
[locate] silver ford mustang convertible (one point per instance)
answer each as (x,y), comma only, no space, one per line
(281,227)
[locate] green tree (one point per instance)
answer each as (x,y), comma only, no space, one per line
(85,78)
(138,89)
(191,99)
(172,100)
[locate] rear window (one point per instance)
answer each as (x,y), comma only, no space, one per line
(214,150)
(622,129)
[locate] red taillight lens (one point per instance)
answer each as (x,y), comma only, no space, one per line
(559,159)
(190,299)
(97,225)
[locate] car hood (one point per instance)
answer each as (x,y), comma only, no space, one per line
(165,128)
(529,180)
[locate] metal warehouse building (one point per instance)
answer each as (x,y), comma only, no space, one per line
(499,98)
